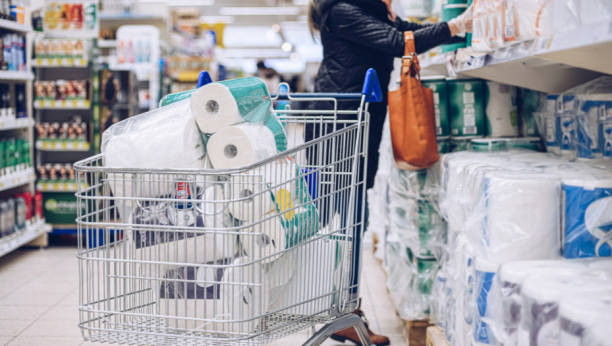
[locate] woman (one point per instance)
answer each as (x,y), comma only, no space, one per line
(358,35)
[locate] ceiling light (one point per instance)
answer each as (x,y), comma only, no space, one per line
(259,11)
(287,46)
(294,56)
(301,2)
(275,28)
(217,19)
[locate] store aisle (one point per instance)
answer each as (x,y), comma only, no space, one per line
(39,295)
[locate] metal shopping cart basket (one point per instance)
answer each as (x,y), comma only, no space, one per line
(230,257)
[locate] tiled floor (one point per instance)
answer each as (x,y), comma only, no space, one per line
(39,298)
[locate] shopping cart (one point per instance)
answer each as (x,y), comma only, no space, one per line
(230,257)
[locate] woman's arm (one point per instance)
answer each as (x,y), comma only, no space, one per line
(354,24)
(403,25)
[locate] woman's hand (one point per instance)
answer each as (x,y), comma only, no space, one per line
(463,23)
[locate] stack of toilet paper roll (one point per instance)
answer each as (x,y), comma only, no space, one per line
(579,319)
(207,297)
(163,138)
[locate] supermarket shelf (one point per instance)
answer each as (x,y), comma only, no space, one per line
(107,43)
(434,65)
(16,75)
(14,26)
(62,146)
(53,62)
(13,124)
(74,104)
(57,187)
(16,240)
(16,179)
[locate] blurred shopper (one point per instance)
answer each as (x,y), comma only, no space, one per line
(269,75)
(358,35)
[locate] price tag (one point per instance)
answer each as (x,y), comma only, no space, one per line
(69,145)
(80,103)
(61,187)
(81,146)
(48,104)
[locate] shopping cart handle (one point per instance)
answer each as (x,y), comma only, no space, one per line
(371,90)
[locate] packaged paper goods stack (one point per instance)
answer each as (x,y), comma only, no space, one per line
(473,114)
(518,237)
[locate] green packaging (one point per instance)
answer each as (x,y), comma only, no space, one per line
(457,145)
(10,154)
(452,47)
(489,145)
(438,85)
(2,156)
(530,104)
(466,108)
(19,158)
(426,268)
(26,154)
(432,230)
(444,146)
(456,2)
(501,110)
(453,11)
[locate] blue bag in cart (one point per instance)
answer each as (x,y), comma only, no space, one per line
(587,217)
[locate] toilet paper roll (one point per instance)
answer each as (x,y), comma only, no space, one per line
(505,301)
(214,207)
(196,293)
(587,217)
(246,295)
(597,335)
(312,260)
(541,295)
(240,145)
(163,138)
(484,275)
(522,217)
(216,106)
(501,108)
(265,238)
(579,314)
(250,199)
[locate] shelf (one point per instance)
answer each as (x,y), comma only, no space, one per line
(12,124)
(130,18)
(14,26)
(16,179)
(74,104)
(433,65)
(54,62)
(16,240)
(16,75)
(62,146)
(107,43)
(58,186)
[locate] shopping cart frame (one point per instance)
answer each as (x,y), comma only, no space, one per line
(340,316)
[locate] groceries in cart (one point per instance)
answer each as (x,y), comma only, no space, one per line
(240,219)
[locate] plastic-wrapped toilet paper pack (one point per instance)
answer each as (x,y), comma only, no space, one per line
(484,275)
(245,294)
(240,145)
(438,300)
(504,303)
(541,294)
(195,242)
(316,259)
(191,293)
(566,14)
(579,316)
(501,107)
(249,196)
(532,102)
(216,106)
(165,138)
(533,18)
(597,335)
(522,217)
(587,216)
(264,239)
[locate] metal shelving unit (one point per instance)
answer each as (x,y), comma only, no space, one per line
(551,64)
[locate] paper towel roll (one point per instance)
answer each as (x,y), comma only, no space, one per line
(579,314)
(250,199)
(246,295)
(587,216)
(219,105)
(264,238)
(182,299)
(240,145)
(163,138)
(541,295)
(522,217)
(501,110)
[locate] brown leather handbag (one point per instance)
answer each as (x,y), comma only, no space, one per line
(412,116)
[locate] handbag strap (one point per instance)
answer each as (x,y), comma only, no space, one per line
(410,58)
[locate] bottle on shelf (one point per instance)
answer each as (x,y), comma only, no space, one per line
(17,11)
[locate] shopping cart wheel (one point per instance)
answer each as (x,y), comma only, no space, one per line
(341,323)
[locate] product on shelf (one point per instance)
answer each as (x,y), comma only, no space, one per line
(13,52)
(61,90)
(7,217)
(14,155)
(63,50)
(70,16)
